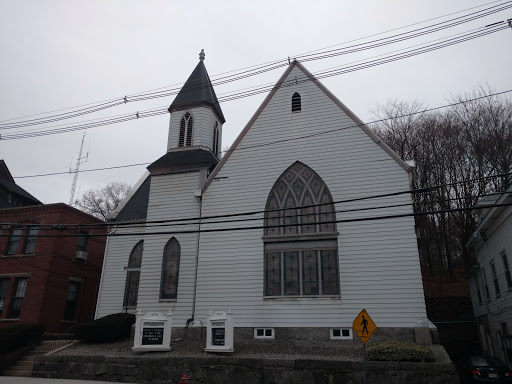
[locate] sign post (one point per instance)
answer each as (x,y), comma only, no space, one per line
(364,326)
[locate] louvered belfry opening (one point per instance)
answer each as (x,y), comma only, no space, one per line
(300,235)
(186,130)
(296,103)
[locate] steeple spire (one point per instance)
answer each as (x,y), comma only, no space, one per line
(197,91)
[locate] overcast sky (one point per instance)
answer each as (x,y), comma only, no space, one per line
(60,54)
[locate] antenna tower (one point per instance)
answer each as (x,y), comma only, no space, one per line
(77,168)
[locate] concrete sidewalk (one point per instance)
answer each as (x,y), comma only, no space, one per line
(37,380)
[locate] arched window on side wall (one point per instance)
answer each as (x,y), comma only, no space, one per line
(216,135)
(300,235)
(186,130)
(170,270)
(131,290)
(296,103)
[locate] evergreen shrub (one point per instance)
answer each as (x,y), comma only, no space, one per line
(394,350)
(19,335)
(106,329)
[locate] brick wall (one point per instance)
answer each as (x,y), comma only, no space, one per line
(51,266)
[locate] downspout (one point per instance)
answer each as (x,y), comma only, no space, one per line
(102,270)
(191,320)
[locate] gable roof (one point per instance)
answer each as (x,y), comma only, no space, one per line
(343,107)
(197,91)
(490,215)
(8,184)
(184,159)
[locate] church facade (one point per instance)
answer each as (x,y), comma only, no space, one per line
(296,227)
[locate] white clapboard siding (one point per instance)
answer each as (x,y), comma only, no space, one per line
(203,122)
(171,197)
(497,308)
(378,260)
(113,277)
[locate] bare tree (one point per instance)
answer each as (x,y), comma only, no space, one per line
(468,141)
(100,202)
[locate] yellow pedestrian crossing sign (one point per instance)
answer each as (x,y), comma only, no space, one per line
(364,326)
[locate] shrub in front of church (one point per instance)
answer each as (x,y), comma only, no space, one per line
(106,329)
(394,350)
(19,335)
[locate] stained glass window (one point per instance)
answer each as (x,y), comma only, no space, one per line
(131,290)
(301,253)
(170,270)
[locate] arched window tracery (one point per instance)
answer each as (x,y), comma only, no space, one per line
(186,130)
(301,252)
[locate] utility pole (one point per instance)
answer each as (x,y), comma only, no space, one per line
(77,168)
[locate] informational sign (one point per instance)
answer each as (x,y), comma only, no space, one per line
(218,336)
(364,326)
(219,332)
(152,336)
(152,332)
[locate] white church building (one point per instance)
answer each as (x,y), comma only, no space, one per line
(289,230)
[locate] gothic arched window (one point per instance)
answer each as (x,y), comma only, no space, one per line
(296,103)
(301,246)
(186,126)
(170,270)
(216,139)
(131,289)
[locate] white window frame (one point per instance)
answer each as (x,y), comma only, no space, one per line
(272,330)
(341,337)
(506,269)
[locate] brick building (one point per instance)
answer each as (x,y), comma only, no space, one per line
(46,279)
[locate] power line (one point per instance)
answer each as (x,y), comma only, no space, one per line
(262,89)
(258,69)
(293,138)
(260,227)
(250,213)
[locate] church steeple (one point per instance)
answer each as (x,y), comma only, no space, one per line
(196,116)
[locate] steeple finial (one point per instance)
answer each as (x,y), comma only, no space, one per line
(201,55)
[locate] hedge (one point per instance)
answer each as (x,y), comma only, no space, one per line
(19,335)
(106,329)
(399,351)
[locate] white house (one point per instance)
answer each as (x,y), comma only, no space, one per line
(490,279)
(315,265)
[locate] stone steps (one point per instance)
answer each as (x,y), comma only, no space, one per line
(25,366)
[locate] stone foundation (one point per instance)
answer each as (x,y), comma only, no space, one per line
(230,370)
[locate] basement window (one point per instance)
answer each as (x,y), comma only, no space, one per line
(341,334)
(264,333)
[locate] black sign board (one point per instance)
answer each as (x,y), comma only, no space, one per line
(152,336)
(218,336)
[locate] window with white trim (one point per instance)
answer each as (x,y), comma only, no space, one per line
(4,285)
(186,130)
(14,241)
(486,286)
(341,333)
(20,285)
(495,279)
(264,333)
(506,270)
(71,300)
(131,289)
(30,244)
(301,246)
(170,270)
